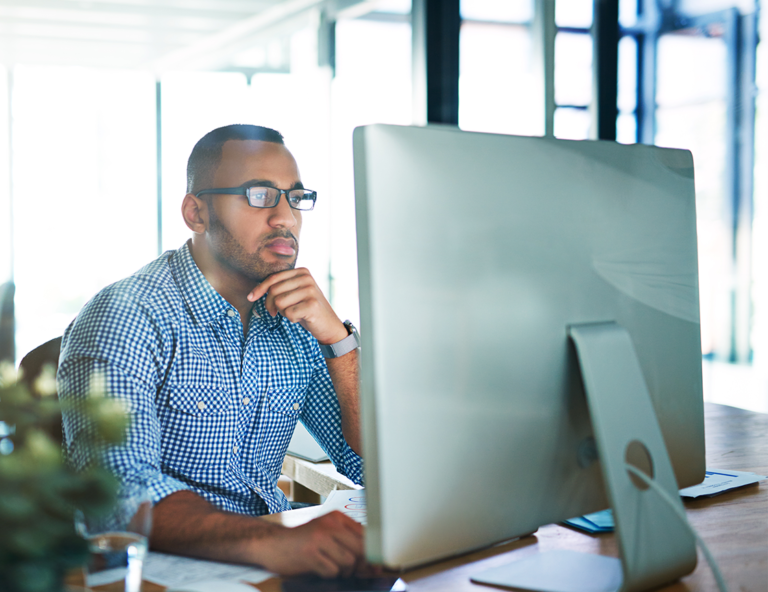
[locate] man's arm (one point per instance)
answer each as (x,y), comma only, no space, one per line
(295,295)
(185,523)
(345,375)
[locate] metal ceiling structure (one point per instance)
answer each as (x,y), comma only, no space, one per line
(155,35)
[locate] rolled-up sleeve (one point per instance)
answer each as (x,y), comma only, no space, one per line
(116,345)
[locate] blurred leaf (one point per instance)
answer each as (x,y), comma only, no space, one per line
(8,374)
(31,541)
(72,551)
(14,394)
(40,449)
(45,383)
(37,576)
(15,507)
(38,491)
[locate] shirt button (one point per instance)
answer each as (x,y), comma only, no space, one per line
(231,312)
(246,401)
(234,449)
(257,489)
(201,405)
(295,406)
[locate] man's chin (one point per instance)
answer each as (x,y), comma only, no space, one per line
(271,269)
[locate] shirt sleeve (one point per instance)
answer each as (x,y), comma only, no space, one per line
(321,416)
(116,346)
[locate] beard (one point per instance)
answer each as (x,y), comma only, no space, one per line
(233,256)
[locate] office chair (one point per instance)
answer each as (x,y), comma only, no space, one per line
(32,364)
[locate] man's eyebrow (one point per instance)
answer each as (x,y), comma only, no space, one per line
(267,183)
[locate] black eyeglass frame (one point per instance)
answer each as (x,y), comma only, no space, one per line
(246,191)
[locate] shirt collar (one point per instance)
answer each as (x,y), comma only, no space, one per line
(262,316)
(204,302)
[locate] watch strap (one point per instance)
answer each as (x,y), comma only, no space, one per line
(346,345)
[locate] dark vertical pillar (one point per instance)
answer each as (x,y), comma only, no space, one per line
(647,43)
(605,32)
(741,37)
(326,42)
(436,25)
(544,31)
(8,289)
(7,323)
(159,150)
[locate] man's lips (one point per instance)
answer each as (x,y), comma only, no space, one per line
(282,246)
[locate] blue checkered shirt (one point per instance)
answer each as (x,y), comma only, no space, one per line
(212,410)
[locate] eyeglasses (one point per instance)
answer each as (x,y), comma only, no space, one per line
(268,197)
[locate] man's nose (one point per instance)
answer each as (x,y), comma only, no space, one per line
(282,215)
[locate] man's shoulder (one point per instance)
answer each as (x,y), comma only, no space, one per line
(153,282)
(151,289)
(132,315)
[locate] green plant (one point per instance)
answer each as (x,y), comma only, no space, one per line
(39,491)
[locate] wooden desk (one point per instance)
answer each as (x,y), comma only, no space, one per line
(734,525)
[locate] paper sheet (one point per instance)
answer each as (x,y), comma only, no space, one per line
(349,501)
(720,480)
(174,570)
(716,481)
(596,522)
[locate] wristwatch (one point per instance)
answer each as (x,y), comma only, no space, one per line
(346,345)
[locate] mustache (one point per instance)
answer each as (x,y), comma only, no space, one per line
(285,233)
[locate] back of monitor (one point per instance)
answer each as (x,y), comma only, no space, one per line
(476,252)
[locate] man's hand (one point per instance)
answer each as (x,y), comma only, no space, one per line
(330,546)
(295,295)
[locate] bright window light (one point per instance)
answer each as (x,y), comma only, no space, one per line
(499,94)
(507,11)
(84,190)
(573,69)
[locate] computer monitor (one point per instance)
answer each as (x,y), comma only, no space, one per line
(477,254)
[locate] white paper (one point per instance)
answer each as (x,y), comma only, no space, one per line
(348,501)
(720,480)
(174,570)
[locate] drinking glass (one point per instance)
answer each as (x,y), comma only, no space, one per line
(118,540)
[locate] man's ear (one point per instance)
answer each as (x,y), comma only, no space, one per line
(195,213)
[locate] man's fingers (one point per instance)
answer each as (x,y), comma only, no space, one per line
(334,546)
(343,559)
(287,294)
(275,279)
(294,306)
(324,566)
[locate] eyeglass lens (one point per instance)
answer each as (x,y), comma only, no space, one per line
(266,197)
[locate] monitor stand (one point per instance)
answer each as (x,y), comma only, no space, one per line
(654,545)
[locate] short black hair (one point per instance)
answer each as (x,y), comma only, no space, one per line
(206,155)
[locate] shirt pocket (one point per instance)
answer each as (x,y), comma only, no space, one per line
(286,401)
(199,430)
(200,399)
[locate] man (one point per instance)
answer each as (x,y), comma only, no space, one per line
(216,351)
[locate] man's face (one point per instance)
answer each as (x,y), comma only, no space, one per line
(254,242)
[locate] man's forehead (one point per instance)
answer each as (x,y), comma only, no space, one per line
(256,159)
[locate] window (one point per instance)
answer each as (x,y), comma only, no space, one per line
(690,113)
(372,85)
(498,69)
(573,69)
(84,190)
